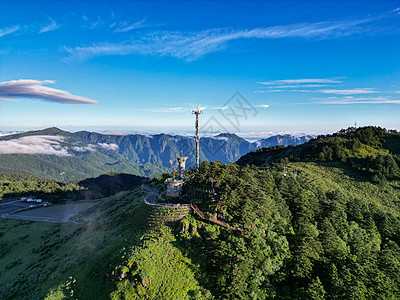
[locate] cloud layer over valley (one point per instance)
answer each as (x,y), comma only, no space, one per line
(39,144)
(48,144)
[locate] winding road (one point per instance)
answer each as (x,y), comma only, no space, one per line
(150,199)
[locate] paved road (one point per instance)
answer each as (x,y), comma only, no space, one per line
(53,220)
(9,207)
(9,201)
(150,199)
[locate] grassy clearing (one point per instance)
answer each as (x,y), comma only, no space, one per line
(38,256)
(157,269)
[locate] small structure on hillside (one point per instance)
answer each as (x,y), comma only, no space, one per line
(174,186)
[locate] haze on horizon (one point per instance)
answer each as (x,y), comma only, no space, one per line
(313,67)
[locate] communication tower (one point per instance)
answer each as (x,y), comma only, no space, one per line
(197,111)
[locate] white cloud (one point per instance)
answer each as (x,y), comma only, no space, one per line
(106,146)
(221,138)
(290,82)
(303,91)
(38,144)
(191,46)
(349,91)
(124,26)
(26,88)
(298,86)
(8,133)
(165,109)
(9,30)
(7,99)
(47,144)
(96,23)
(116,132)
(89,147)
(111,22)
(50,27)
(270,91)
(263,105)
(358,100)
(94,147)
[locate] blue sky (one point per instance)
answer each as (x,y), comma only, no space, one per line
(301,66)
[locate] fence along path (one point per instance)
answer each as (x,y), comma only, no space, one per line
(212,220)
(150,200)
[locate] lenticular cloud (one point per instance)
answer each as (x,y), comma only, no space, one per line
(34,89)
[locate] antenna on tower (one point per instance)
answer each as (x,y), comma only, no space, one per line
(197,111)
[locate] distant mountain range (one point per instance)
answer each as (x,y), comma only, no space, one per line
(62,155)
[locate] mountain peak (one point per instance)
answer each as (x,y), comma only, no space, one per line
(47,131)
(50,131)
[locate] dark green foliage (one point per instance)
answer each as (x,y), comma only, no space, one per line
(109,184)
(73,167)
(294,238)
(4,248)
(16,185)
(371,151)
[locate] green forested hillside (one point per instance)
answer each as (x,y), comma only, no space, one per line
(328,233)
(310,237)
(71,168)
(331,232)
(372,151)
(17,185)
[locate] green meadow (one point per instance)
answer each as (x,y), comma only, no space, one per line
(38,256)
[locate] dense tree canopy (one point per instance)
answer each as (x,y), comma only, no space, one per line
(296,240)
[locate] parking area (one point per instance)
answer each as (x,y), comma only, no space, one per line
(44,211)
(11,206)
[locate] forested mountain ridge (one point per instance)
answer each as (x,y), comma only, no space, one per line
(372,151)
(61,155)
(331,232)
(285,140)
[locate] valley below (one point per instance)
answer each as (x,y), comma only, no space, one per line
(70,156)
